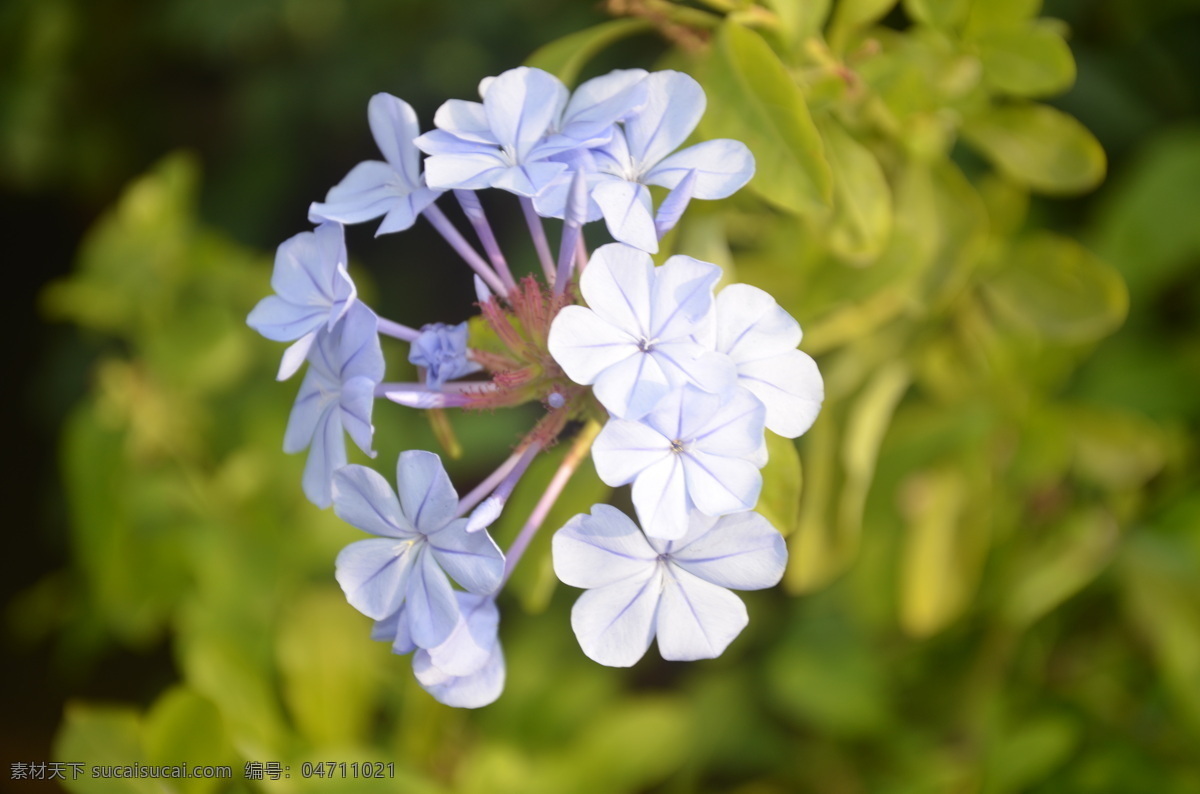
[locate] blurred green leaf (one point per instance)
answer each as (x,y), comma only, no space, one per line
(851,15)
(330,668)
(567,56)
(1028,754)
(1033,61)
(937,13)
(1053,286)
(862,200)
(800,19)
(1038,146)
(1072,555)
(779,501)
(761,106)
(988,15)
(101,735)
(184,727)
(935,581)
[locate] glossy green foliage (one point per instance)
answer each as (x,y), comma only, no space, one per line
(993,526)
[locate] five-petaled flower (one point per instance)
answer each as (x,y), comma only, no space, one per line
(639,587)
(421,540)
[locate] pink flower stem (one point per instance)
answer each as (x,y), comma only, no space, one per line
(538,233)
(473,209)
(398,331)
(575,455)
(459,243)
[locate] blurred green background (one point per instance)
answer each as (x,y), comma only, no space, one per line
(994,527)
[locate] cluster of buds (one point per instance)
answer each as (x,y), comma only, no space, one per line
(673,384)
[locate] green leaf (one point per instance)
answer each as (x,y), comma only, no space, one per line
(1019,760)
(1032,61)
(851,15)
(779,501)
(1055,287)
(933,579)
(862,200)
(330,668)
(1038,146)
(566,56)
(990,15)
(183,726)
(937,13)
(753,99)
(800,19)
(1074,555)
(101,735)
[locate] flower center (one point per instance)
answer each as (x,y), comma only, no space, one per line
(645,345)
(677,446)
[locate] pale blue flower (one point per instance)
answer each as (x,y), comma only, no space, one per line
(467,670)
(761,338)
(337,395)
(639,587)
(442,350)
(516,138)
(313,290)
(394,189)
(694,451)
(637,340)
(639,154)
(420,542)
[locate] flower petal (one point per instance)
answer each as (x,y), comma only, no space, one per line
(357,402)
(472,169)
(624,449)
(719,485)
(674,104)
(617,286)
(734,429)
(521,104)
(395,629)
(470,558)
(791,388)
(722,167)
(362,498)
(465,120)
(313,401)
(683,297)
(660,495)
(584,345)
(696,619)
(741,551)
(632,387)
(600,102)
(628,213)
(470,645)
(433,610)
(752,326)
(614,624)
(465,692)
(600,549)
(368,191)
(374,574)
(326,454)
(394,126)
(427,497)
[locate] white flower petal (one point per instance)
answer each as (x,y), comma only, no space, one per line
(741,551)
(326,454)
(719,485)
(722,167)
(465,120)
(465,692)
(362,498)
(617,286)
(521,104)
(469,170)
(600,549)
(660,496)
(432,608)
(470,558)
(674,104)
(734,429)
(295,356)
(632,387)
(614,624)
(426,495)
(696,619)
(394,126)
(601,101)
(374,575)
(752,326)
(470,645)
(584,345)
(628,213)
(625,448)
(791,388)
(683,296)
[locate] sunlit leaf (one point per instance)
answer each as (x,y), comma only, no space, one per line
(934,577)
(104,735)
(567,56)
(1038,146)
(937,13)
(183,726)
(851,15)
(761,105)
(1053,286)
(1032,61)
(779,501)
(862,200)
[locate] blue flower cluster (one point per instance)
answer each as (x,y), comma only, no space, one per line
(685,381)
